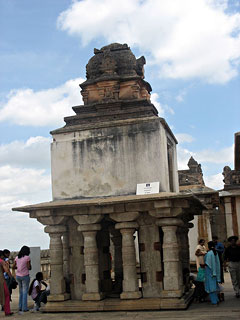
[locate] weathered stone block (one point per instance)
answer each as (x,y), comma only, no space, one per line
(88,218)
(163,204)
(139,206)
(124,216)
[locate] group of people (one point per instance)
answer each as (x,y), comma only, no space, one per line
(22,265)
(210,268)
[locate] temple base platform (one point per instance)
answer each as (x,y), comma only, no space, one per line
(111,304)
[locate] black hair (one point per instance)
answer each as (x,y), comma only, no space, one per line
(6,251)
(201,240)
(232,238)
(1,253)
(39,277)
(211,246)
(25,251)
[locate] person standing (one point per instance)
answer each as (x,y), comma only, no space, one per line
(220,249)
(212,273)
(200,253)
(23,264)
(4,293)
(6,254)
(232,255)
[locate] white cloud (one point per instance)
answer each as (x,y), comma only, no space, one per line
(181,95)
(35,152)
(41,108)
(214,181)
(184,137)
(183,155)
(18,230)
(21,187)
(157,104)
(219,157)
(162,108)
(17,183)
(224,155)
(184,38)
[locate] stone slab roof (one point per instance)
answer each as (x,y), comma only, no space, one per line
(103,201)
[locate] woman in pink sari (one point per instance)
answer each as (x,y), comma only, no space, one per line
(4,293)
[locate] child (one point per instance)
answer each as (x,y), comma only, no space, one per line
(220,293)
(36,292)
(199,292)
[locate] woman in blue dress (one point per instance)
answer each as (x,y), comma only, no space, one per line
(212,273)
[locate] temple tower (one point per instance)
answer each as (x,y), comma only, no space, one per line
(115,140)
(106,241)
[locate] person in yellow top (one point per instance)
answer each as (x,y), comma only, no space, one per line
(200,253)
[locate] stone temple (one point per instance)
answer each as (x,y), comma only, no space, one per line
(110,248)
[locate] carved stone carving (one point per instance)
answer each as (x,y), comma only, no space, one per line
(114,59)
(231,178)
(193,176)
(226,173)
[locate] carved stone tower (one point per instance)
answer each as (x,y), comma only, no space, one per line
(115,140)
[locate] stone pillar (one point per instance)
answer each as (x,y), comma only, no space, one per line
(65,241)
(180,255)
(172,280)
(116,238)
(228,215)
(103,243)
(91,264)
(58,288)
(204,227)
(130,282)
(183,232)
(76,262)
(185,245)
(237,151)
(150,260)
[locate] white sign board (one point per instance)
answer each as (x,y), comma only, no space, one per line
(147,188)
(35,256)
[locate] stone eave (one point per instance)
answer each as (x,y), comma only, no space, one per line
(229,193)
(107,201)
(197,189)
(107,124)
(99,105)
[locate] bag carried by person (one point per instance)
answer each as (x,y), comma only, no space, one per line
(13,283)
(201,275)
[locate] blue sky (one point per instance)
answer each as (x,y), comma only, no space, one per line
(192,50)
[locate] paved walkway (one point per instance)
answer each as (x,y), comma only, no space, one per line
(227,310)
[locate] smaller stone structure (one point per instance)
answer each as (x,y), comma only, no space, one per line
(192,176)
(191,181)
(230,195)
